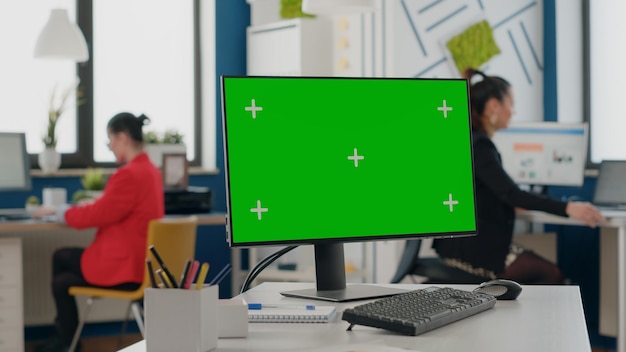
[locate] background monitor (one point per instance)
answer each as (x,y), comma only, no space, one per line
(323,161)
(610,188)
(544,153)
(14,163)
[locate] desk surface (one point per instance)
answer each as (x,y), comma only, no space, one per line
(37,225)
(543,318)
(614,218)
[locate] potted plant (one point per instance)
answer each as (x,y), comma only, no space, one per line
(93,182)
(49,159)
(32,203)
(170,142)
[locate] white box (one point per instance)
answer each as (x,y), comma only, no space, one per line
(233,316)
(54,196)
(181,320)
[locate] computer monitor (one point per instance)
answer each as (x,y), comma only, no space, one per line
(544,153)
(610,191)
(14,163)
(323,161)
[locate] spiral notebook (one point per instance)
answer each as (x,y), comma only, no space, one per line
(320,314)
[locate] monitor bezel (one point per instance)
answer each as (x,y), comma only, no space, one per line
(378,237)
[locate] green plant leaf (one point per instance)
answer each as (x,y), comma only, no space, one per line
(93,180)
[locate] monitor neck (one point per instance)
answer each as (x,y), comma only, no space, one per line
(330,273)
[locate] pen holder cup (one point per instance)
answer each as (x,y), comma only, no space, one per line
(181,320)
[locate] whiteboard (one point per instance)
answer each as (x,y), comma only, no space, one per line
(544,153)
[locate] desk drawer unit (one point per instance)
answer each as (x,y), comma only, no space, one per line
(10,340)
(11,306)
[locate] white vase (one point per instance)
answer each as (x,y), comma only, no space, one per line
(49,161)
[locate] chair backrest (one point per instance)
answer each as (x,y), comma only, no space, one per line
(433,269)
(174,240)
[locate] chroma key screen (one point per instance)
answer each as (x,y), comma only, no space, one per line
(314,159)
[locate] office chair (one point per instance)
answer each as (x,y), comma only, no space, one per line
(433,269)
(175,240)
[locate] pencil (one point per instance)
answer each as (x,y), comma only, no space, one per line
(167,272)
(204,269)
(153,282)
(192,274)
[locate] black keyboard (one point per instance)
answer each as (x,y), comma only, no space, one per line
(418,311)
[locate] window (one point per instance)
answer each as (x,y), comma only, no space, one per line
(27,83)
(145,58)
(143,62)
(607,76)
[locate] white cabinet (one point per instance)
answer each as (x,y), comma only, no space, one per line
(296,47)
(11,307)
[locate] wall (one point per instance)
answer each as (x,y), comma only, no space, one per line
(418,31)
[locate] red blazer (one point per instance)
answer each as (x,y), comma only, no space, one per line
(132,197)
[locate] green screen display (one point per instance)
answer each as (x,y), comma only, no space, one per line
(346,159)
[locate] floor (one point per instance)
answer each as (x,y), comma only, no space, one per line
(103,343)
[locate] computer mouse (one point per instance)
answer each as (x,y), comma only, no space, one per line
(500,288)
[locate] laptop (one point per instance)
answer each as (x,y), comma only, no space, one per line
(610,192)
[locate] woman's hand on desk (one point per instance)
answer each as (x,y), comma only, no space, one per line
(44,211)
(584,212)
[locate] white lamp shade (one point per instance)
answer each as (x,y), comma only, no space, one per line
(61,39)
(331,7)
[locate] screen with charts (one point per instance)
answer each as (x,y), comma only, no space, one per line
(323,161)
(544,153)
(14,163)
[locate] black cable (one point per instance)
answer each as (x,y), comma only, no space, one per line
(262,265)
(254,272)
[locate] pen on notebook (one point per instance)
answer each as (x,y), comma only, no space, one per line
(260,306)
(169,275)
(153,282)
(164,279)
(221,275)
(183,275)
(192,274)
(204,269)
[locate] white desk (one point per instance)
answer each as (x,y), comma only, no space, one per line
(543,318)
(611,255)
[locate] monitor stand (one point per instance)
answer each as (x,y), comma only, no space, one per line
(350,293)
(331,279)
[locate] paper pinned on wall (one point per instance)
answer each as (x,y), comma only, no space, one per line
(473,47)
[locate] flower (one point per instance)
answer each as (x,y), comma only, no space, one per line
(55,110)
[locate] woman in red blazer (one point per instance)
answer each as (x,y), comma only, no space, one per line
(132,197)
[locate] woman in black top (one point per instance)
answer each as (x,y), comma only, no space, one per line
(491,253)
